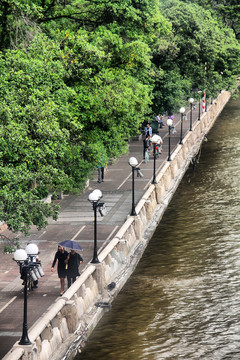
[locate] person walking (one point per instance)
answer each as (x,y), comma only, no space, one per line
(72,263)
(60,256)
(148,134)
(172,128)
(101,167)
(159,119)
(35,259)
(148,131)
(146,144)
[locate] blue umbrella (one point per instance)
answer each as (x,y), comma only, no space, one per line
(70,244)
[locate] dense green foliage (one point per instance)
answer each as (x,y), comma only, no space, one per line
(78,77)
(228,10)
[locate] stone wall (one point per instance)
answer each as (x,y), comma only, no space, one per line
(70,319)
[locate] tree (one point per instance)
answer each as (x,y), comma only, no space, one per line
(77,78)
(200,54)
(227,10)
(62,100)
(34,148)
(110,78)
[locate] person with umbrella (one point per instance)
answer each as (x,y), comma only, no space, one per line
(72,261)
(61,256)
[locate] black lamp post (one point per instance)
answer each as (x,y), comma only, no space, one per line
(24,276)
(133,163)
(30,270)
(25,267)
(154,164)
(191,100)
(199,92)
(94,198)
(205,91)
(169,123)
(182,111)
(156,140)
(198,95)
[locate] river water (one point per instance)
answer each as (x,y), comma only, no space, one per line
(183,300)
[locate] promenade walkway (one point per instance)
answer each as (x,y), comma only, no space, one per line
(76,222)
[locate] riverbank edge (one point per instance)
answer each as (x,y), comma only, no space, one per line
(64,328)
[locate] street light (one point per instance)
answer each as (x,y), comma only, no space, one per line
(156,140)
(191,100)
(133,163)
(169,123)
(182,111)
(94,198)
(31,250)
(198,94)
(21,257)
(199,106)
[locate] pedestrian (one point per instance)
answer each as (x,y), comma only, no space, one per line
(102,165)
(148,131)
(158,147)
(148,134)
(72,263)
(34,259)
(61,256)
(172,128)
(146,145)
(159,119)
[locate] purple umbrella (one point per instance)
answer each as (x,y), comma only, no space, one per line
(70,244)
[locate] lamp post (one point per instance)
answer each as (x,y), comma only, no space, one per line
(191,100)
(199,105)
(169,123)
(21,257)
(94,198)
(205,91)
(182,111)
(29,271)
(199,110)
(133,163)
(156,140)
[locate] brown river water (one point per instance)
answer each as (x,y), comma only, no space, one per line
(183,300)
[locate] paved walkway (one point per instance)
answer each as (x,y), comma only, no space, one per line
(76,222)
